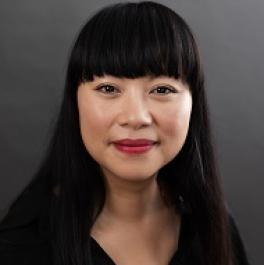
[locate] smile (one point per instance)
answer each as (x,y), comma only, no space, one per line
(134,149)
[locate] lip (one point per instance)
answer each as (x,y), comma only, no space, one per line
(135,142)
(134,146)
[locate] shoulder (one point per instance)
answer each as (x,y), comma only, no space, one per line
(196,253)
(24,237)
(23,245)
(238,246)
(24,242)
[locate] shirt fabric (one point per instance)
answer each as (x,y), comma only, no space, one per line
(24,237)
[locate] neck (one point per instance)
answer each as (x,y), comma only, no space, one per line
(133,201)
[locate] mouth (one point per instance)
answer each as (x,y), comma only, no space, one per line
(135,142)
(132,147)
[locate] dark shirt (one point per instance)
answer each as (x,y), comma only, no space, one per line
(24,239)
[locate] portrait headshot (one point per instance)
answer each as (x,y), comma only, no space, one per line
(131,132)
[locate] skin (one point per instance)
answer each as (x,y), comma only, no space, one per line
(110,109)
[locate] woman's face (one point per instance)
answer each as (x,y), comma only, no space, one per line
(153,108)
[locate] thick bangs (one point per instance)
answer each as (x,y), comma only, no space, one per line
(134,40)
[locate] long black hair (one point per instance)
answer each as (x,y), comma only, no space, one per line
(131,40)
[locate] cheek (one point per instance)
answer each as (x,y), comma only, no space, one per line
(92,126)
(176,121)
(92,117)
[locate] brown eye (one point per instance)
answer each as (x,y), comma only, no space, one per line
(107,89)
(164,90)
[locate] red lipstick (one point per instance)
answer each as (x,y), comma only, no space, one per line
(136,146)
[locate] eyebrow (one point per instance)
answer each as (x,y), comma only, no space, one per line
(149,78)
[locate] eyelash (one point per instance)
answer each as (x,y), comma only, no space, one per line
(172,90)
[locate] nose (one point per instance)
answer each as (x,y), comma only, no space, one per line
(134,112)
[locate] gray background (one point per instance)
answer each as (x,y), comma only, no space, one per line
(35,40)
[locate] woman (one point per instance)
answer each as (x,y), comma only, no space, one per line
(130,175)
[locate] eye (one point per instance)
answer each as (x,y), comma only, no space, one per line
(107,89)
(164,90)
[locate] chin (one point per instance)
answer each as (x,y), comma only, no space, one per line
(133,174)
